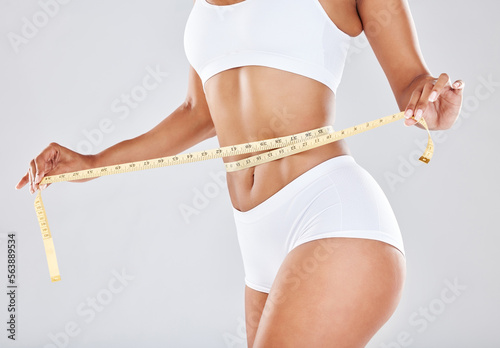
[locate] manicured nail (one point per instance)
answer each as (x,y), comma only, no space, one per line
(43,187)
(418,115)
(37,178)
(456,85)
(433,96)
(408,113)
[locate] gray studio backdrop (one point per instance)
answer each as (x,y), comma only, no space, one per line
(137,271)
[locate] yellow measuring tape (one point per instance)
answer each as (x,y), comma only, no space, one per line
(280,147)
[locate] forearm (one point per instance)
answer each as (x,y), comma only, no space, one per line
(182,129)
(394,41)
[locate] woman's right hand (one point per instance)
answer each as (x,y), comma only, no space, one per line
(54,159)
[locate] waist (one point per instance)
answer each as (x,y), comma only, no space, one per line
(255,103)
(250,187)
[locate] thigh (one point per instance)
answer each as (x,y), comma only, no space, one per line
(332,292)
(254,305)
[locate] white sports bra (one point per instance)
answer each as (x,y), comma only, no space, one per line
(292,35)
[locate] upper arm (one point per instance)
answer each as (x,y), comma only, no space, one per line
(195,94)
(195,97)
(390,29)
(195,100)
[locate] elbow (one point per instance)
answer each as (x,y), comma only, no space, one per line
(200,118)
(209,130)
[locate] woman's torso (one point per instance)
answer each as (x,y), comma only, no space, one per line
(251,103)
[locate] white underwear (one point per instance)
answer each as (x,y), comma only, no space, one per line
(336,198)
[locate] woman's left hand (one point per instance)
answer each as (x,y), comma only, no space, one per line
(437,101)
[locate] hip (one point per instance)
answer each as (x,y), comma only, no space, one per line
(336,198)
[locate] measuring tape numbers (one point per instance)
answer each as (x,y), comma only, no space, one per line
(50,251)
(278,148)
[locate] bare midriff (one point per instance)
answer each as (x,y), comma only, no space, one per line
(254,103)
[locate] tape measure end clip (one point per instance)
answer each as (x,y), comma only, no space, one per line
(55,278)
(424,159)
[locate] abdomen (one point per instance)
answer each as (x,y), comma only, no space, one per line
(254,103)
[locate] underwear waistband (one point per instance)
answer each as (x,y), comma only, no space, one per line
(289,190)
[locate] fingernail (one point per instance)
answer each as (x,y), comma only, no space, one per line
(408,113)
(433,96)
(456,85)
(37,178)
(43,187)
(418,115)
